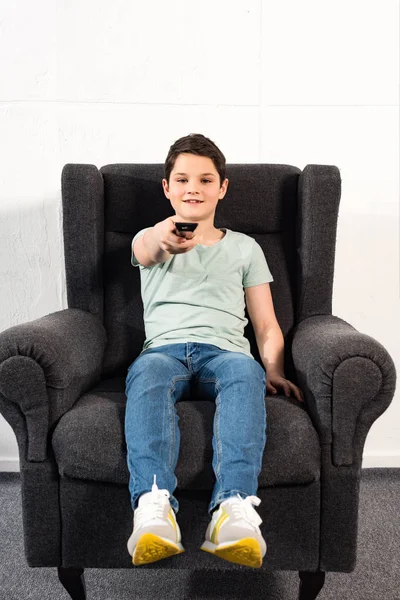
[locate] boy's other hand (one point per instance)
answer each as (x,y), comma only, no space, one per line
(276,381)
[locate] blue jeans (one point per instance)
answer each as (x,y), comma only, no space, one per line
(159,377)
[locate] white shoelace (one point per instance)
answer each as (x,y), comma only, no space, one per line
(154,508)
(244,509)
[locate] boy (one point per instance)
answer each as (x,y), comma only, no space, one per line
(192,291)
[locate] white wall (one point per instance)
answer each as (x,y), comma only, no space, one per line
(100,82)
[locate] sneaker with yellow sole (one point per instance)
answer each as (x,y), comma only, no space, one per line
(234,533)
(156,533)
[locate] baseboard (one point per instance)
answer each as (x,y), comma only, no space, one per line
(387,461)
(369,462)
(9,465)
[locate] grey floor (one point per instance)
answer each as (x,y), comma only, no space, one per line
(376,576)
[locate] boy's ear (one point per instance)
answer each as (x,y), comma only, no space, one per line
(224,187)
(165,186)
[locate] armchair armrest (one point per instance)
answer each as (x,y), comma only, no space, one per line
(348,380)
(45,366)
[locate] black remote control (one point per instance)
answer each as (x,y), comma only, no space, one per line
(181,227)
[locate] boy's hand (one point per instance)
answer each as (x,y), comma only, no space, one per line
(275,381)
(170,242)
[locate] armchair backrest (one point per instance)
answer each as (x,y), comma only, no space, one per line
(291,213)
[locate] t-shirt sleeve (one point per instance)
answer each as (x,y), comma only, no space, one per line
(134,260)
(257,271)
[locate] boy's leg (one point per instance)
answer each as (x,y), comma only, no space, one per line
(155,381)
(239,423)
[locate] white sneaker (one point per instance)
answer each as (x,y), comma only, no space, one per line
(156,534)
(234,533)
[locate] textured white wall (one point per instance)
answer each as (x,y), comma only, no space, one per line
(273,82)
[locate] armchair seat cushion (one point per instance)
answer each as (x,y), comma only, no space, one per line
(89,441)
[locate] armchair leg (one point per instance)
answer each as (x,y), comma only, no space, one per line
(311,584)
(74,582)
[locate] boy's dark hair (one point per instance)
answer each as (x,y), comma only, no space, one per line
(196,143)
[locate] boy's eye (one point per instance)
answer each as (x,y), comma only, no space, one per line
(209,180)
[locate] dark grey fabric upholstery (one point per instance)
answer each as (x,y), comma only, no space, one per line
(62,378)
(82,448)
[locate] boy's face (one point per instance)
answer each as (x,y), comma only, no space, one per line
(200,181)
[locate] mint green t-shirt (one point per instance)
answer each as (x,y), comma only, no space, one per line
(198,296)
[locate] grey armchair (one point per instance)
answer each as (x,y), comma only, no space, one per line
(62,382)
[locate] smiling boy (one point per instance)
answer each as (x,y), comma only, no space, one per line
(192,291)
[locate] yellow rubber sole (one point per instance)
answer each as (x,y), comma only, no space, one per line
(243,552)
(151,548)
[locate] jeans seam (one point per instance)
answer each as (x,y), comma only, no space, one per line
(217,434)
(171,406)
(188,359)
